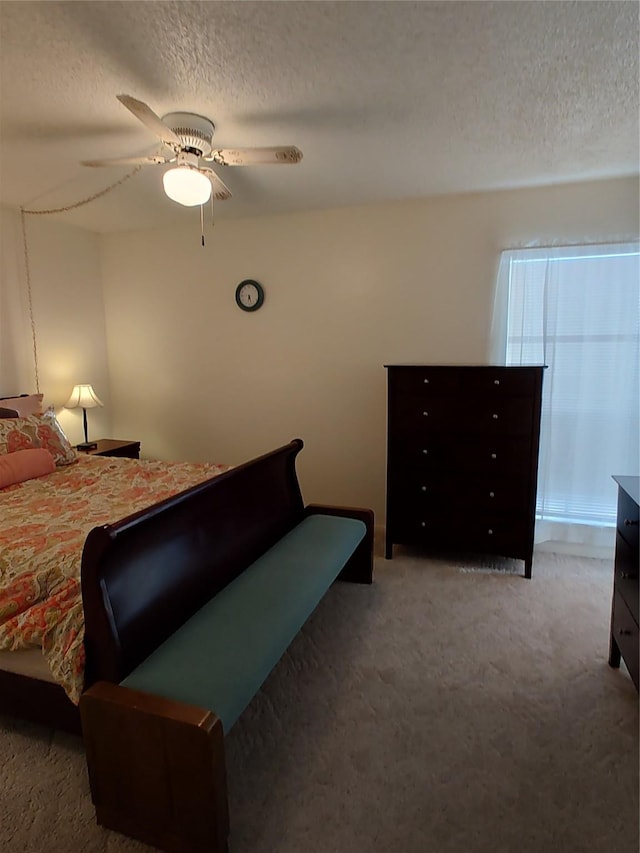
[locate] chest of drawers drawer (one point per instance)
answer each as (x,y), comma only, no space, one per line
(624,629)
(484,535)
(495,496)
(626,574)
(482,382)
(627,519)
(428,414)
(468,455)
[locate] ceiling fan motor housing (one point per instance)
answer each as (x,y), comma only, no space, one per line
(187,158)
(196,132)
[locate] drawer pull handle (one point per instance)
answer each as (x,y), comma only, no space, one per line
(494,455)
(496,381)
(626,576)
(495,417)
(631,522)
(423,488)
(624,632)
(492,494)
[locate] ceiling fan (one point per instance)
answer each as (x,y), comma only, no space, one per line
(191,181)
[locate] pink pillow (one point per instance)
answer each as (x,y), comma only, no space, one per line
(25,465)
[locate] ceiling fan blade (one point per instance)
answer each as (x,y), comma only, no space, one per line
(147,116)
(128,161)
(221,191)
(286,154)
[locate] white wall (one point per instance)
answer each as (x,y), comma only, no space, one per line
(68,311)
(193,377)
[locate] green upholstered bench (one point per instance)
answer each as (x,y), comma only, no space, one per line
(155,738)
(221,656)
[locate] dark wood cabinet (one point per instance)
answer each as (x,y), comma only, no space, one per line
(624,607)
(115,447)
(462,458)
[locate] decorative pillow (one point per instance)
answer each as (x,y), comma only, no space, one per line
(30,404)
(37,431)
(25,465)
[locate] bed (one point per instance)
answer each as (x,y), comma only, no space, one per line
(44,522)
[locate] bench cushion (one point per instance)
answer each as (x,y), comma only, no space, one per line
(221,656)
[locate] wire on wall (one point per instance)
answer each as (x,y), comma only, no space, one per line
(65,209)
(30,299)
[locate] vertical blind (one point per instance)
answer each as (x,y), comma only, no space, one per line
(577,310)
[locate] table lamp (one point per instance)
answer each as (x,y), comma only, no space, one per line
(85,397)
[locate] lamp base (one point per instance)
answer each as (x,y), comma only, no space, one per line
(87,445)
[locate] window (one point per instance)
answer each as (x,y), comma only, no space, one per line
(577,310)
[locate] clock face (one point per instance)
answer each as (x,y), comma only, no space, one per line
(249,295)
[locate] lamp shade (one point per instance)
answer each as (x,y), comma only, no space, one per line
(83,396)
(186,185)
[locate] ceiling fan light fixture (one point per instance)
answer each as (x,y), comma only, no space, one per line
(187,185)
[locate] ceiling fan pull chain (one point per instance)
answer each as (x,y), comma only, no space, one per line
(202,223)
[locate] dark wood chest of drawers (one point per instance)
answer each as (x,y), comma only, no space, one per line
(462,458)
(624,607)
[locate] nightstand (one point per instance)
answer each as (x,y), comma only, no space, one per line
(113,447)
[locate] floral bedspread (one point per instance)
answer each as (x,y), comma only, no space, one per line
(43,526)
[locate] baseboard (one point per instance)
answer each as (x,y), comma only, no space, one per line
(575,549)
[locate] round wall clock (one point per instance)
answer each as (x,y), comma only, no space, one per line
(249,295)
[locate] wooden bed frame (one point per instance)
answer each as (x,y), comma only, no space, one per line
(46,702)
(183,534)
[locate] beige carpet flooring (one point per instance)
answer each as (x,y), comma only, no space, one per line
(449,708)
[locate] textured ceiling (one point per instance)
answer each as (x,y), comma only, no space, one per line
(387,100)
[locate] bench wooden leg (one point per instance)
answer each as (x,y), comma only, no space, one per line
(359,569)
(156,769)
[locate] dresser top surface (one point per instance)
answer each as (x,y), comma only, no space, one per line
(466,366)
(631,485)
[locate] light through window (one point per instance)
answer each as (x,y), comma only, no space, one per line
(577,310)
